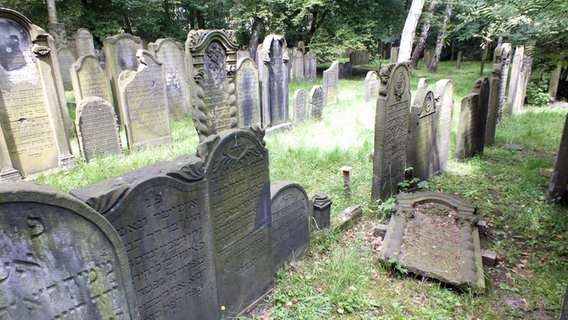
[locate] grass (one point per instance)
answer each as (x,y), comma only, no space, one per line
(341,278)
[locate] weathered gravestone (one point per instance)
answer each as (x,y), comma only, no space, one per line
(557,189)
(212,58)
(330,83)
(315,102)
(502,56)
(428,55)
(391,129)
(239,200)
(394,55)
(273,63)
(31,121)
(171,54)
(298,65)
(60,258)
(442,124)
(310,67)
(496,91)
(467,139)
(371,86)
(345,71)
(248,93)
(515,79)
(290,221)
(481,87)
(144,104)
(162,215)
(97,128)
(300,107)
(84,42)
(66,58)
(554,80)
(89,79)
(435,235)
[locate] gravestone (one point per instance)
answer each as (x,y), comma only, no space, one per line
(391,129)
(310,67)
(371,86)
(428,55)
(300,107)
(212,58)
(89,79)
(394,55)
(554,80)
(171,54)
(345,71)
(161,214)
(274,82)
(248,93)
(60,258)
(503,54)
(515,79)
(359,57)
(557,189)
(33,132)
(290,221)
(499,72)
(467,139)
(239,201)
(144,104)
(97,128)
(522,84)
(298,65)
(330,83)
(444,94)
(84,42)
(435,235)
(66,58)
(315,103)
(481,87)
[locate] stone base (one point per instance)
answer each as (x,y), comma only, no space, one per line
(67,160)
(10,175)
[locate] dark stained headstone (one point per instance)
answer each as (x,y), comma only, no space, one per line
(97,128)
(60,258)
(315,102)
(345,70)
(481,87)
(66,58)
(310,65)
(300,106)
(557,189)
(391,130)
(330,83)
(496,91)
(444,95)
(248,93)
(371,86)
(89,79)
(290,221)
(502,56)
(84,42)
(467,139)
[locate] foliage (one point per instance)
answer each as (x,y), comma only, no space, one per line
(537,93)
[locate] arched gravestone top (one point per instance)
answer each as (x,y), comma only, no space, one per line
(89,79)
(420,131)
(248,93)
(198,40)
(69,260)
(300,106)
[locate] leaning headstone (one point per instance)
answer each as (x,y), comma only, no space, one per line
(274,82)
(514,79)
(522,84)
(161,214)
(290,221)
(315,103)
(481,87)
(442,124)
(496,90)
(170,53)
(391,129)
(66,59)
(89,79)
(330,83)
(298,65)
(248,93)
(300,106)
(371,86)
(467,139)
(559,179)
(32,127)
(144,104)
(503,57)
(239,201)
(97,128)
(310,64)
(84,42)
(61,259)
(212,58)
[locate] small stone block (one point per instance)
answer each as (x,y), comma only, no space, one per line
(482,226)
(489,258)
(350,214)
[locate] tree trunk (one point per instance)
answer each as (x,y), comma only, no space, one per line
(409,30)
(253,42)
(440,42)
(423,36)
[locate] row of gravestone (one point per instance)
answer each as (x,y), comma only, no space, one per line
(199,237)
(308,106)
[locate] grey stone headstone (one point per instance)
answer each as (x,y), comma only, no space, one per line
(481,87)
(89,79)
(60,258)
(442,124)
(298,65)
(66,58)
(330,83)
(559,178)
(467,139)
(300,106)
(515,79)
(496,91)
(97,128)
(394,55)
(315,102)
(371,86)
(84,42)
(420,133)
(503,56)
(310,67)
(391,130)
(248,93)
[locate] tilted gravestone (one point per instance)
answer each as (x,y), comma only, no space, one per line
(60,258)
(467,139)
(212,58)
(144,105)
(371,86)
(481,87)
(162,215)
(444,94)
(391,129)
(248,93)
(435,235)
(239,200)
(316,102)
(310,67)
(300,106)
(515,80)
(89,79)
(84,42)
(97,128)
(298,65)
(33,131)
(290,221)
(559,180)
(171,54)
(499,72)
(274,79)
(503,56)
(330,83)
(66,58)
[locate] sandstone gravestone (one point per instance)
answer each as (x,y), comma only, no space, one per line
(310,67)
(394,55)
(300,107)
(171,54)
(89,79)
(84,42)
(66,58)
(315,102)
(290,221)
(60,259)
(442,124)
(97,128)
(330,83)
(391,129)
(144,105)
(496,90)
(274,82)
(481,87)
(557,189)
(467,139)
(33,131)
(298,65)
(503,56)
(435,235)
(371,86)
(212,58)
(248,93)
(515,79)
(161,214)
(239,201)
(428,55)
